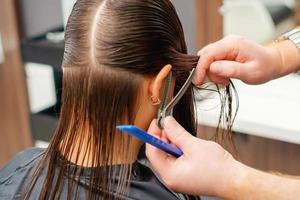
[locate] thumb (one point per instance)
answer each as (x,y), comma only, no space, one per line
(227,69)
(176,133)
(159,160)
(154,130)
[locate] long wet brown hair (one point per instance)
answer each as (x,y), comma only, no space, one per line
(110,45)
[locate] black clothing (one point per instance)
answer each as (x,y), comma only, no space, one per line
(144,184)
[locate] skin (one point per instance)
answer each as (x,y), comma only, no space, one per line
(240,58)
(146,110)
(205,167)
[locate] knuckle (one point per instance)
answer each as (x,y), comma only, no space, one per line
(211,144)
(205,50)
(209,56)
(208,48)
(227,155)
(235,38)
(169,182)
(241,39)
(230,37)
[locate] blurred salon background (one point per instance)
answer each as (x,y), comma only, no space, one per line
(267,127)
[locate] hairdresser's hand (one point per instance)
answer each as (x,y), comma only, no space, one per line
(240,58)
(205,167)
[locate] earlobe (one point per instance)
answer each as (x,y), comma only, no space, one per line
(157,84)
(155,101)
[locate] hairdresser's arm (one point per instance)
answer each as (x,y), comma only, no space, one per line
(207,169)
(240,58)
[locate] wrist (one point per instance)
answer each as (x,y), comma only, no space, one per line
(238,181)
(289,58)
(233,180)
(250,183)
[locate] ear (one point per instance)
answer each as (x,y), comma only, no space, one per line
(157,83)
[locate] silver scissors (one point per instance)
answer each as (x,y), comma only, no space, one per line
(166,109)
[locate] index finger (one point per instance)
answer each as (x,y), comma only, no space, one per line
(224,49)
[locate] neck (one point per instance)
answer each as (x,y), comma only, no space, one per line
(83,151)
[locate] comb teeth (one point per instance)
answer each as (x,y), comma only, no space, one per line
(146,137)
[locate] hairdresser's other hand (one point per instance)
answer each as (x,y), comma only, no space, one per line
(240,58)
(205,167)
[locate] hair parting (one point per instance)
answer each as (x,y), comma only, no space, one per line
(110,45)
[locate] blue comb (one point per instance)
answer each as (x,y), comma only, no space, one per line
(146,137)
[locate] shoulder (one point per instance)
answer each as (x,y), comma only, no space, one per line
(13,175)
(20,160)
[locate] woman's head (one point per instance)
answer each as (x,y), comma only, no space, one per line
(125,34)
(115,63)
(128,39)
